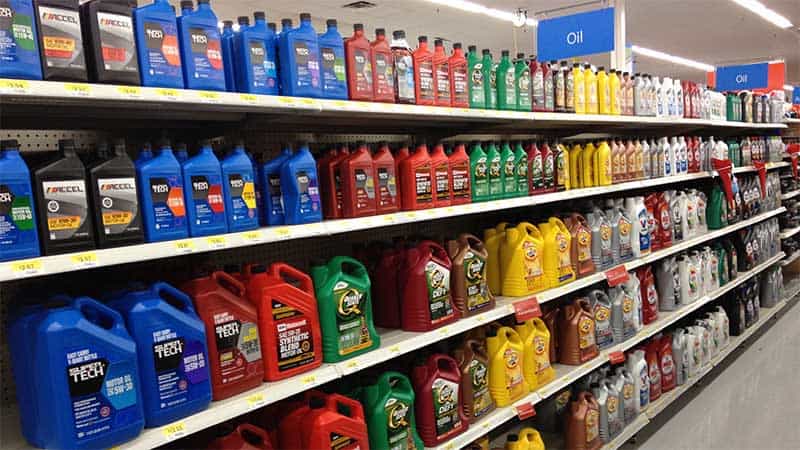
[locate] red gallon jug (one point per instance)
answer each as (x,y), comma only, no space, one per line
(647,284)
(336,422)
(234,350)
(244,437)
(423,73)
(425,278)
(382,68)
(459,91)
(291,341)
(666,362)
(438,409)
(358,183)
(460,187)
(290,427)
(386,195)
(441,74)
(416,178)
(441,176)
(386,308)
(359,65)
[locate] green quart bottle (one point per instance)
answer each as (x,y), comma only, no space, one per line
(506,84)
(479,173)
(509,161)
(342,288)
(523,78)
(490,80)
(521,162)
(389,413)
(475,79)
(495,161)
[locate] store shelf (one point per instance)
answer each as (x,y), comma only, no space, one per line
(627,433)
(787,233)
(790,194)
(769,166)
(790,259)
(792,121)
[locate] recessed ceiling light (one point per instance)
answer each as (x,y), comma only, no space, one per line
(477,8)
(655,54)
(767,14)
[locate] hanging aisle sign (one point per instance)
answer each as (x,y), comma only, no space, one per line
(747,76)
(796,95)
(575,35)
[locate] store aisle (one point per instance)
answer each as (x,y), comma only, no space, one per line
(752,404)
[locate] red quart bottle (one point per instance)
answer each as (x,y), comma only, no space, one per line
(423,73)
(460,187)
(459,90)
(382,68)
(399,156)
(358,183)
(359,65)
(416,176)
(441,74)
(386,194)
(441,176)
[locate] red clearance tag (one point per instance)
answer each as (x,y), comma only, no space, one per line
(762,176)
(527,309)
(793,156)
(616,357)
(617,275)
(525,411)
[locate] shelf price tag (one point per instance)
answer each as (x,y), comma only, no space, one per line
(14,86)
(27,268)
(84,260)
(253,236)
(77,89)
(130,91)
(167,94)
(525,411)
(256,401)
(184,247)
(208,97)
(248,98)
(217,242)
(617,275)
(289,101)
(617,357)
(309,380)
(527,309)
(395,349)
(174,431)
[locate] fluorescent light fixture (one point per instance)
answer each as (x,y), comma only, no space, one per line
(655,54)
(767,14)
(477,8)
(788,87)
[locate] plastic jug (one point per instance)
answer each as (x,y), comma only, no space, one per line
(537,84)
(269,175)
(580,88)
(479,174)
(470,291)
(457,66)
(679,356)
(425,277)
(576,333)
(234,350)
(601,395)
(650,299)
(300,188)
(550,318)
(603,91)
(387,306)
(549,85)
(442,177)
(557,261)
(639,370)
(548,168)
(667,277)
(460,184)
(229,54)
(624,233)
(20,55)
(508,174)
(602,239)
(616,414)
(622,314)
(633,289)
(337,421)
(201,48)
(522,253)
(382,68)
(18,236)
(244,437)
(536,358)
(653,369)
(423,73)
(520,171)
(583,424)
(358,183)
(601,309)
(359,65)
(473,363)
(298,55)
(288,323)
(587,165)
(389,409)
(441,74)
(438,400)
(203,193)
(559,87)
(640,228)
(403,65)
(386,194)
(256,50)
(158,45)
(162,199)
(416,175)
(172,355)
(506,375)
(561,169)
(666,363)
(490,77)
(333,74)
(532,438)
(535,170)
(630,399)
(581,245)
(493,238)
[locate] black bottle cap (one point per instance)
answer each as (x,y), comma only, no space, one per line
(227,24)
(505,53)
(399,34)
(457,45)
(203,2)
(259,15)
(512,438)
(553,62)
(286,23)
(380,32)
(625,74)
(9,144)
(422,39)
(520,55)
(305,16)
(358,27)
(187,4)
(563,64)
(272,26)
(181,147)
(601,68)
(205,143)
(486,51)
(576,64)
(243,20)
(331,23)
(438,42)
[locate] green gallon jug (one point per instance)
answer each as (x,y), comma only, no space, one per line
(389,410)
(342,288)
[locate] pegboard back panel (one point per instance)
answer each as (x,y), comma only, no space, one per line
(47,140)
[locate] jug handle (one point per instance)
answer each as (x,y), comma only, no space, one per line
(444,362)
(284,271)
(435,249)
(228,282)
(355,268)
(87,304)
(168,292)
(471,240)
(247,270)
(476,347)
(531,229)
(254,430)
(511,335)
(399,380)
(356,410)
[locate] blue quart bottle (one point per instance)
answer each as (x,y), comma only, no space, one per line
(300,187)
(96,402)
(19,238)
(19,52)
(162,199)
(269,175)
(157,45)
(244,24)
(144,154)
(205,206)
(299,59)
(257,70)
(228,56)
(181,152)
(171,346)
(331,51)
(238,180)
(201,48)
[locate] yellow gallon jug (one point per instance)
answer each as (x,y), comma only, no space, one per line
(590,80)
(532,438)
(521,261)
(576,166)
(603,91)
(587,166)
(536,340)
(557,259)
(506,379)
(491,240)
(602,164)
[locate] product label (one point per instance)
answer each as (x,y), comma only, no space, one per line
(513,373)
(364,184)
(524,88)
(442,172)
(438,280)
(342,442)
(275,193)
(101,392)
(443,82)
(16,215)
(549,102)
(351,322)
(243,196)
(478,295)
(604,333)
(206,54)
(538,89)
(628,325)
(445,407)
(384,75)
(559,101)
(262,65)
(426,80)
(387,186)
(644,232)
(541,349)
(511,87)
(522,174)
(238,346)
(481,397)
(118,45)
(67,209)
(62,42)
(481,180)
(584,239)
(495,186)
(586,333)
(404,70)
(163,55)
(423,185)
(569,92)
(477,95)
(564,258)
(533,266)
(333,69)
(169,211)
(547,171)
(306,55)
(293,335)
(492,98)
(460,94)
(118,205)
(17,43)
(398,425)
(615,422)
(459,173)
(308,192)
(509,175)
(363,72)
(178,364)
(537,180)
(624,227)
(209,207)
(629,401)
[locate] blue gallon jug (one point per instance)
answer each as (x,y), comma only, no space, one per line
(172,355)
(162,200)
(205,206)
(87,382)
(18,235)
(300,187)
(332,68)
(299,59)
(19,54)
(272,194)
(239,185)
(256,69)
(157,45)
(201,48)
(227,55)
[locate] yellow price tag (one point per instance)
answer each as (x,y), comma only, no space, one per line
(352,364)
(256,401)
(15,86)
(184,247)
(308,379)
(253,236)
(84,260)
(389,218)
(340,103)
(249,98)
(217,242)
(309,102)
(450,446)
(283,231)
(27,268)
(77,89)
(130,91)
(208,96)
(394,349)
(411,215)
(169,94)
(174,431)
(444,331)
(286,100)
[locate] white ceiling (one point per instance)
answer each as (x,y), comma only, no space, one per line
(710,31)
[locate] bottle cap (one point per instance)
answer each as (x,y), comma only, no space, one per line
(472,49)
(331,23)
(227,24)
(554,62)
(520,55)
(438,42)
(187,4)
(66,145)
(576,64)
(305,16)
(505,53)
(422,39)
(457,45)
(399,34)
(286,23)
(601,68)
(563,64)
(358,27)
(512,438)
(203,2)
(272,26)
(260,15)
(243,20)
(486,51)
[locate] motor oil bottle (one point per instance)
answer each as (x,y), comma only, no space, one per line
(521,170)
(386,195)
(425,89)
(382,68)
(537,70)
(506,83)
(389,410)
(667,276)
(535,170)
(359,65)
(588,169)
(479,173)
(640,228)
(534,353)
(172,355)
(440,164)
(270,180)
(506,376)
(473,364)
(228,55)
(615,92)
(582,423)
(460,185)
(508,173)
(416,175)
(441,75)
(244,437)
(338,422)
(628,398)
(201,48)
(470,291)
(239,193)
(18,236)
(496,173)
(590,80)
(559,87)
(649,294)
(666,363)
(203,193)
(65,222)
(109,42)
(256,63)
(439,414)
(561,171)
(576,334)
(60,40)
(427,299)
(601,307)
(403,63)
(602,240)
(603,91)
(581,245)
(616,413)
(293,420)
(20,53)
(162,199)
(358,183)
(490,80)
(157,44)
(638,368)
(557,261)
(549,86)
(522,253)
(288,322)
(493,238)
(576,166)
(298,56)
(622,313)
(522,79)
(333,74)
(680,356)
(300,188)
(548,168)
(602,396)
(653,369)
